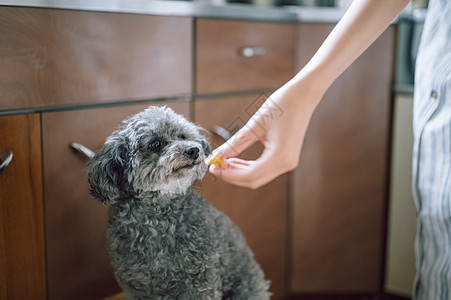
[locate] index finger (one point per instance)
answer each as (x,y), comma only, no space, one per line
(239,142)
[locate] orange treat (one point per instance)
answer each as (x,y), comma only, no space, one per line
(215,160)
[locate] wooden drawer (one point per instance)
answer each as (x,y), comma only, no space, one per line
(78,265)
(261,214)
(220,66)
(57,57)
(22,266)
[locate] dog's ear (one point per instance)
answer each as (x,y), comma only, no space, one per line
(106,171)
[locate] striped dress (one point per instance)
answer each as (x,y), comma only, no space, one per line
(432,155)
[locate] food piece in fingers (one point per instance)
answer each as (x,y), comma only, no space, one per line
(215,160)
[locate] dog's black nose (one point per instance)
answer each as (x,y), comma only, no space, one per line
(192,152)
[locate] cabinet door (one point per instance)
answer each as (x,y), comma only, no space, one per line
(59,57)
(340,186)
(22,266)
(238,55)
(260,214)
(78,265)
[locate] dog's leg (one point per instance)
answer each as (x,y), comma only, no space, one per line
(203,286)
(244,280)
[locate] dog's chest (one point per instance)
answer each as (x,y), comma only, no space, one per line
(175,242)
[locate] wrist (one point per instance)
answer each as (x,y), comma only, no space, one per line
(309,85)
(318,75)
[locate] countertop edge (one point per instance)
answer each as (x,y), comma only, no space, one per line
(191,9)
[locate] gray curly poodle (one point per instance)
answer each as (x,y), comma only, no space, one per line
(166,241)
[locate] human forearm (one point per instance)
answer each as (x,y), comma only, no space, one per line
(364,21)
(283,134)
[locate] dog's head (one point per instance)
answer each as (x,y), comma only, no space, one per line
(155,150)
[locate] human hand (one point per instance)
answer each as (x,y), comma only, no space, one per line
(283,134)
(280,125)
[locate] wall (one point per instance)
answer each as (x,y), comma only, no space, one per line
(400,265)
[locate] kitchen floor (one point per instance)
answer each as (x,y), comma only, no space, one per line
(121,296)
(348,297)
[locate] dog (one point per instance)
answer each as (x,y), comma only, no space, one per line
(165,240)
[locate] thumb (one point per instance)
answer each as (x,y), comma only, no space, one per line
(239,142)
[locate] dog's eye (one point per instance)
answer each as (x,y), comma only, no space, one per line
(182,136)
(157,144)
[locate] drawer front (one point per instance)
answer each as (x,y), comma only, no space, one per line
(78,265)
(57,57)
(261,213)
(238,55)
(22,267)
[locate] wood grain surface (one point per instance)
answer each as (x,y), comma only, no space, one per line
(22,266)
(261,214)
(57,57)
(340,186)
(221,68)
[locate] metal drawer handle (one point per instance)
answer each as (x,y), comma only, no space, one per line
(5,158)
(251,51)
(221,132)
(83,150)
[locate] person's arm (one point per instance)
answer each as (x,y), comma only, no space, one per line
(283,133)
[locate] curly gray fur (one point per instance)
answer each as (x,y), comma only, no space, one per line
(166,241)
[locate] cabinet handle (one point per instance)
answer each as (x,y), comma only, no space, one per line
(221,132)
(251,51)
(83,150)
(5,159)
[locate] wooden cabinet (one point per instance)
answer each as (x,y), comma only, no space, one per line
(223,65)
(239,55)
(340,186)
(22,266)
(261,214)
(61,57)
(55,59)
(82,72)
(78,265)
